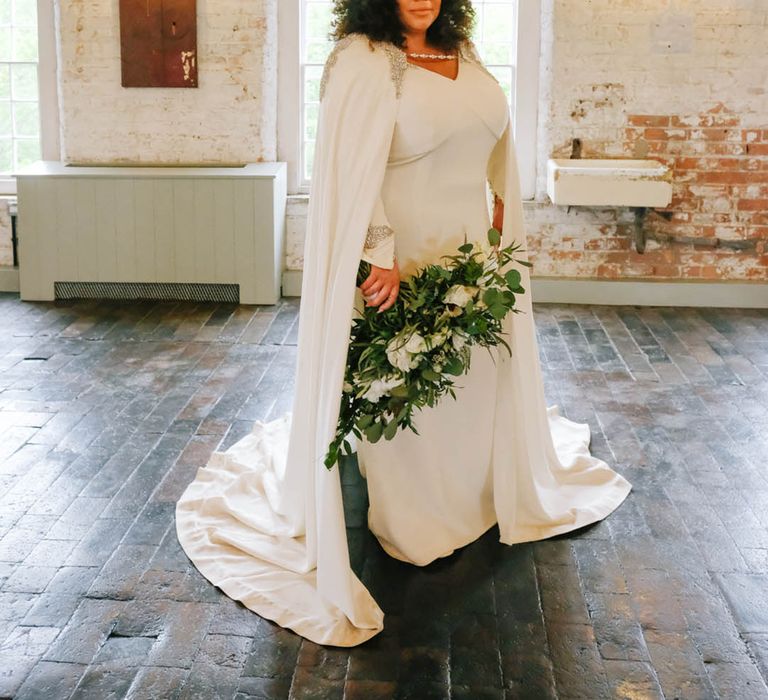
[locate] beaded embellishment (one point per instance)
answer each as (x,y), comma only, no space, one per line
(398,63)
(376,234)
(396,56)
(338,47)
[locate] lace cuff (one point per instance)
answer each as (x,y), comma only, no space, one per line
(377,234)
(379,246)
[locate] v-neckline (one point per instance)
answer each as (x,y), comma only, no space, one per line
(440,75)
(459,57)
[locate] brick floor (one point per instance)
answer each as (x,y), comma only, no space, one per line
(108,409)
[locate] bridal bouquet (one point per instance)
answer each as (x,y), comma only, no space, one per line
(407,357)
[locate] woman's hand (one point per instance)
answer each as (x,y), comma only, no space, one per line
(498,217)
(381,285)
(498,213)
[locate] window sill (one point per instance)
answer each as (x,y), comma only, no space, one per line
(7,186)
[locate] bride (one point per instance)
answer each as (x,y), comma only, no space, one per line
(414,139)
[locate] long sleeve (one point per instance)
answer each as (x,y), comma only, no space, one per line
(379,247)
(497,165)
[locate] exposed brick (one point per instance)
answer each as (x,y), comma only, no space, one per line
(753,204)
(648,120)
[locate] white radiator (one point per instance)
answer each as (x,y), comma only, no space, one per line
(152,226)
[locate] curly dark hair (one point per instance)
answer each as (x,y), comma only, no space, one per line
(379,20)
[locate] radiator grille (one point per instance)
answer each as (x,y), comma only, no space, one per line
(172,291)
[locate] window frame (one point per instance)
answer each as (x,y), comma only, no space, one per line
(290,92)
(48,104)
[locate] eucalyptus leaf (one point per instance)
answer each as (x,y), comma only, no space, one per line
(373,433)
(390,430)
(513,278)
(490,296)
(498,311)
(364,421)
(454,366)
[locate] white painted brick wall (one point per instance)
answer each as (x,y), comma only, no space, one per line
(229,118)
(605,59)
(602,61)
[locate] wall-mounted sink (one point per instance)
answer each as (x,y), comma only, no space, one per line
(608,182)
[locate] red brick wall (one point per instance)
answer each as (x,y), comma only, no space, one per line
(719,208)
(681,82)
(717,226)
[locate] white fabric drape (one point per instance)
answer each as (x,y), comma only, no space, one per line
(264,520)
(290,562)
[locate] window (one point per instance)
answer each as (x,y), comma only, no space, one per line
(506,35)
(28,113)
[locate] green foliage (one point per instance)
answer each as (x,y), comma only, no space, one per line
(406,358)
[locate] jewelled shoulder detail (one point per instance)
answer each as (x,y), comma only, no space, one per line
(469,52)
(338,47)
(398,64)
(396,56)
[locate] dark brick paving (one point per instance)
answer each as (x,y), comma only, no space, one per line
(108,409)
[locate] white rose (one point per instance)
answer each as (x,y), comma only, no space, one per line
(460,295)
(437,339)
(416,343)
(459,339)
(399,356)
(381,387)
(347,388)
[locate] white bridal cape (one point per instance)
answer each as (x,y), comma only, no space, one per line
(264,519)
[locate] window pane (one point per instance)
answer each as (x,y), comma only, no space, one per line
(318,20)
(25,44)
(26,119)
(27,151)
(25,13)
(24,78)
(6,155)
(5,82)
(309,154)
(312,75)
(310,121)
(317,51)
(6,129)
(496,53)
(5,44)
(498,22)
(19,94)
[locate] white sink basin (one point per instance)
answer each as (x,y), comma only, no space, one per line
(608,182)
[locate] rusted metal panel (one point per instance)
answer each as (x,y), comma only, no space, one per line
(158,43)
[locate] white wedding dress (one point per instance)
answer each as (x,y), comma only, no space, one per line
(495,454)
(433,492)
